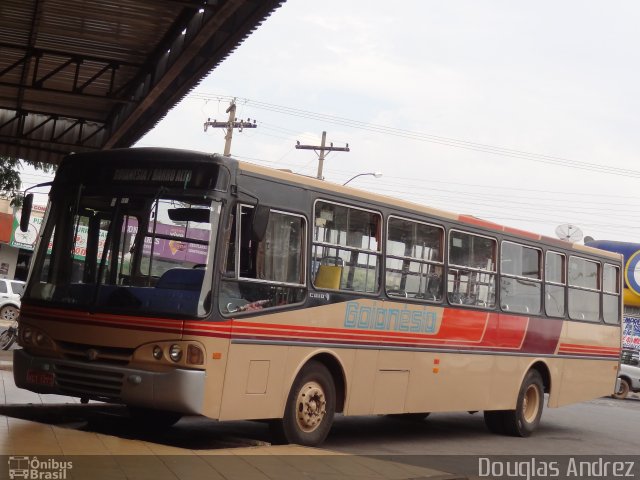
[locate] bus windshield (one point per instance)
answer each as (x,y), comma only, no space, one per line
(139,253)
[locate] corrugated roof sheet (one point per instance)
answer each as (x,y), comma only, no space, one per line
(79,75)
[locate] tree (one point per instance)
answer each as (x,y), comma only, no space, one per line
(10,182)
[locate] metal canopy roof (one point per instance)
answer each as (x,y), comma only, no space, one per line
(80,75)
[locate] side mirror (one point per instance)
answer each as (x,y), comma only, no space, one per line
(27,204)
(260,221)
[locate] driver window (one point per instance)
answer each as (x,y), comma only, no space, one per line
(267,272)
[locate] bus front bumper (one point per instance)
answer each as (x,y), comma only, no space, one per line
(176,390)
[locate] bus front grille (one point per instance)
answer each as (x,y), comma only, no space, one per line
(87,381)
(109,355)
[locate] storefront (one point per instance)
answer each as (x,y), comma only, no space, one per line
(16,247)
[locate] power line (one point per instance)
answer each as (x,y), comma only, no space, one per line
(420,136)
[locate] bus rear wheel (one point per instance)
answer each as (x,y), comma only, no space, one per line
(522,421)
(310,407)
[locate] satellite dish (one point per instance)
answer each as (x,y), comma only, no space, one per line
(569,233)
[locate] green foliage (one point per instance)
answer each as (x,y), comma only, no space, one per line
(10,183)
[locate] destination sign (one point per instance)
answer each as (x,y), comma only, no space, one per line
(160,175)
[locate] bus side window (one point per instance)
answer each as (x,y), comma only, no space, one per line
(521,281)
(352,235)
(472,270)
(415,260)
(271,270)
(584,289)
(555,284)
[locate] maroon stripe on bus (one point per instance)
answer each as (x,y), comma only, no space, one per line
(542,335)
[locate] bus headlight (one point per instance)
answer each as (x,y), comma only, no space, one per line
(157,352)
(41,340)
(175,353)
(29,336)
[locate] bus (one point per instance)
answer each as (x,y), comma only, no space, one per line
(183,283)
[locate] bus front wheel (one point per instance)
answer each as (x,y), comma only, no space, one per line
(310,407)
(522,421)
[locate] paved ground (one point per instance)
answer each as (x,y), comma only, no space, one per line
(53,428)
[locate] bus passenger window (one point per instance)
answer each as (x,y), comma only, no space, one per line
(555,282)
(347,239)
(584,289)
(472,270)
(611,294)
(269,272)
(415,260)
(521,280)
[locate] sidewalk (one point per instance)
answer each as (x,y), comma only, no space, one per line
(99,455)
(6,359)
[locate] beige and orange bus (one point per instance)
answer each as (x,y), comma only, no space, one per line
(189,283)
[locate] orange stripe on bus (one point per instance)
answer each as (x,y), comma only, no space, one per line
(480,222)
(589,346)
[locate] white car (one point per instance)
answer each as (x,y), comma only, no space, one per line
(629,373)
(10,293)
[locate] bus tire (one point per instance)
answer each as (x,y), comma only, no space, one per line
(522,421)
(623,391)
(151,419)
(310,407)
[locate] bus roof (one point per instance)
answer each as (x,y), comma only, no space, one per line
(317,184)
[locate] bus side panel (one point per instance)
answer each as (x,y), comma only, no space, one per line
(589,374)
(443,382)
(391,381)
(586,380)
(254,381)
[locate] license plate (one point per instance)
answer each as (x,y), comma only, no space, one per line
(40,378)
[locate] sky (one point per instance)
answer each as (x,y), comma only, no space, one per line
(521,113)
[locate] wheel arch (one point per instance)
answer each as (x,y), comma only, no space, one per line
(626,379)
(10,304)
(543,369)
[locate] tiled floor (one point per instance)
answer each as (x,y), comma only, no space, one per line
(99,456)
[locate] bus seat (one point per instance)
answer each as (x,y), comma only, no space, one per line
(182,279)
(328,276)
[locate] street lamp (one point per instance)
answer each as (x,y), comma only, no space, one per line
(375,174)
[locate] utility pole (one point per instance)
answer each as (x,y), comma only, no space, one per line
(230,125)
(322,148)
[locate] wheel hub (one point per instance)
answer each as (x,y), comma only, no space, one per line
(530,404)
(311,406)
